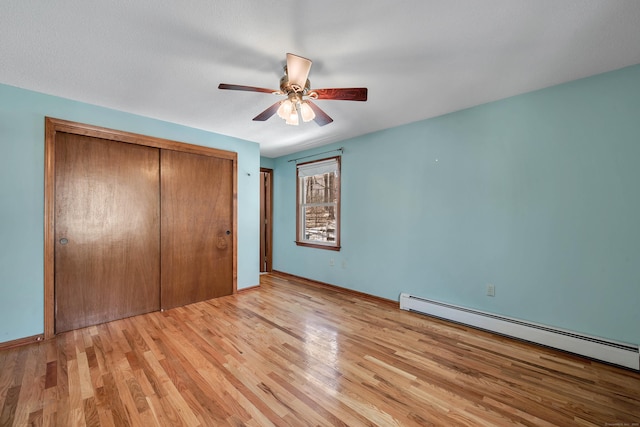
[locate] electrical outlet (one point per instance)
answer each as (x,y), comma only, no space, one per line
(344,264)
(331,262)
(491,290)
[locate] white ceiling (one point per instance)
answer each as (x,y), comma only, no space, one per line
(420,59)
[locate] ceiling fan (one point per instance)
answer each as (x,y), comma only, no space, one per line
(297,88)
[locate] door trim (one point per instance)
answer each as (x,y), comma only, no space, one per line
(52,126)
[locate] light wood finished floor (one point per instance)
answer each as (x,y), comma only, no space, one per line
(293,353)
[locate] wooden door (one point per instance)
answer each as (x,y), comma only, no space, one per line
(266,191)
(107,244)
(197,237)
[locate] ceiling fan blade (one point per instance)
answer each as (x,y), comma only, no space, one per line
(266,114)
(298,70)
(246,88)
(321,118)
(343,94)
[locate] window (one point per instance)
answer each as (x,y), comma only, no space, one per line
(318,214)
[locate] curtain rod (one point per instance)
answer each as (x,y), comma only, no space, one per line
(341,150)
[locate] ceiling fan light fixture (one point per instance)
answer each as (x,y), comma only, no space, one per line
(306,112)
(284,111)
(293,117)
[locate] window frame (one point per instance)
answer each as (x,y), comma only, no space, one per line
(300,229)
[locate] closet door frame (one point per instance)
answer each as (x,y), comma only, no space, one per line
(53,126)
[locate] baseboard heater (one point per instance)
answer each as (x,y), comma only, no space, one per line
(617,353)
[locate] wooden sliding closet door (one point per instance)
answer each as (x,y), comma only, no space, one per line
(196,227)
(107,240)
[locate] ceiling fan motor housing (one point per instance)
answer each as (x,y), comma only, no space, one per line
(287,87)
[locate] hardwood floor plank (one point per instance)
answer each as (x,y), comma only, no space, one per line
(35,419)
(10,405)
(201,400)
(174,405)
(8,360)
(51,375)
(293,353)
(90,411)
(31,396)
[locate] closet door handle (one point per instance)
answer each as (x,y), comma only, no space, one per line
(228,232)
(64,241)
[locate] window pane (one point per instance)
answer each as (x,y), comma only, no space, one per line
(320,189)
(320,223)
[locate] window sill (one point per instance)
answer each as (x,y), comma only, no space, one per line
(318,246)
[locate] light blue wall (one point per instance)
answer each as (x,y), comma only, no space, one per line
(538,194)
(266,162)
(22,196)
